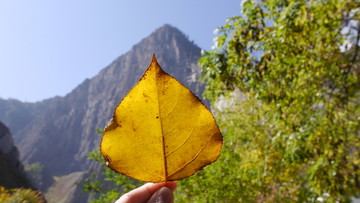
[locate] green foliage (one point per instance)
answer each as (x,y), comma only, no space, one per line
(287,100)
(110,185)
(100,131)
(33,172)
(286,96)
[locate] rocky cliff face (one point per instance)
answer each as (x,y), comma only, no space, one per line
(60,135)
(11,169)
(17,114)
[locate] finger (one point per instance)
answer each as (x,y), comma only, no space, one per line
(171,185)
(163,195)
(143,193)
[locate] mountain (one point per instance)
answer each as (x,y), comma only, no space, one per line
(11,169)
(17,114)
(59,132)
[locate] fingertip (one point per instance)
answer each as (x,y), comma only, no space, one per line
(163,195)
(171,185)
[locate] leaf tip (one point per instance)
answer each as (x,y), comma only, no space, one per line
(153,59)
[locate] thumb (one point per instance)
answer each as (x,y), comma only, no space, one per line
(163,195)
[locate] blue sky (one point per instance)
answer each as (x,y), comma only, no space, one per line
(47,48)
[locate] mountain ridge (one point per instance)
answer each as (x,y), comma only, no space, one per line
(63,131)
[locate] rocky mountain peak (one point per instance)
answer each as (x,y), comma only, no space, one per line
(61,135)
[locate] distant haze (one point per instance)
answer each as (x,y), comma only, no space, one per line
(49,47)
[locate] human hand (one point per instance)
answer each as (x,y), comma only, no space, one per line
(150,193)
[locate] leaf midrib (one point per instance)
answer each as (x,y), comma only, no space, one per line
(158,69)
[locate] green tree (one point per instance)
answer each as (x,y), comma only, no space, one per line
(33,172)
(285,92)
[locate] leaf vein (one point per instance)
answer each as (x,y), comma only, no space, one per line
(182,144)
(193,157)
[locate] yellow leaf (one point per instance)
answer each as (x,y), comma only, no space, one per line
(160,131)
